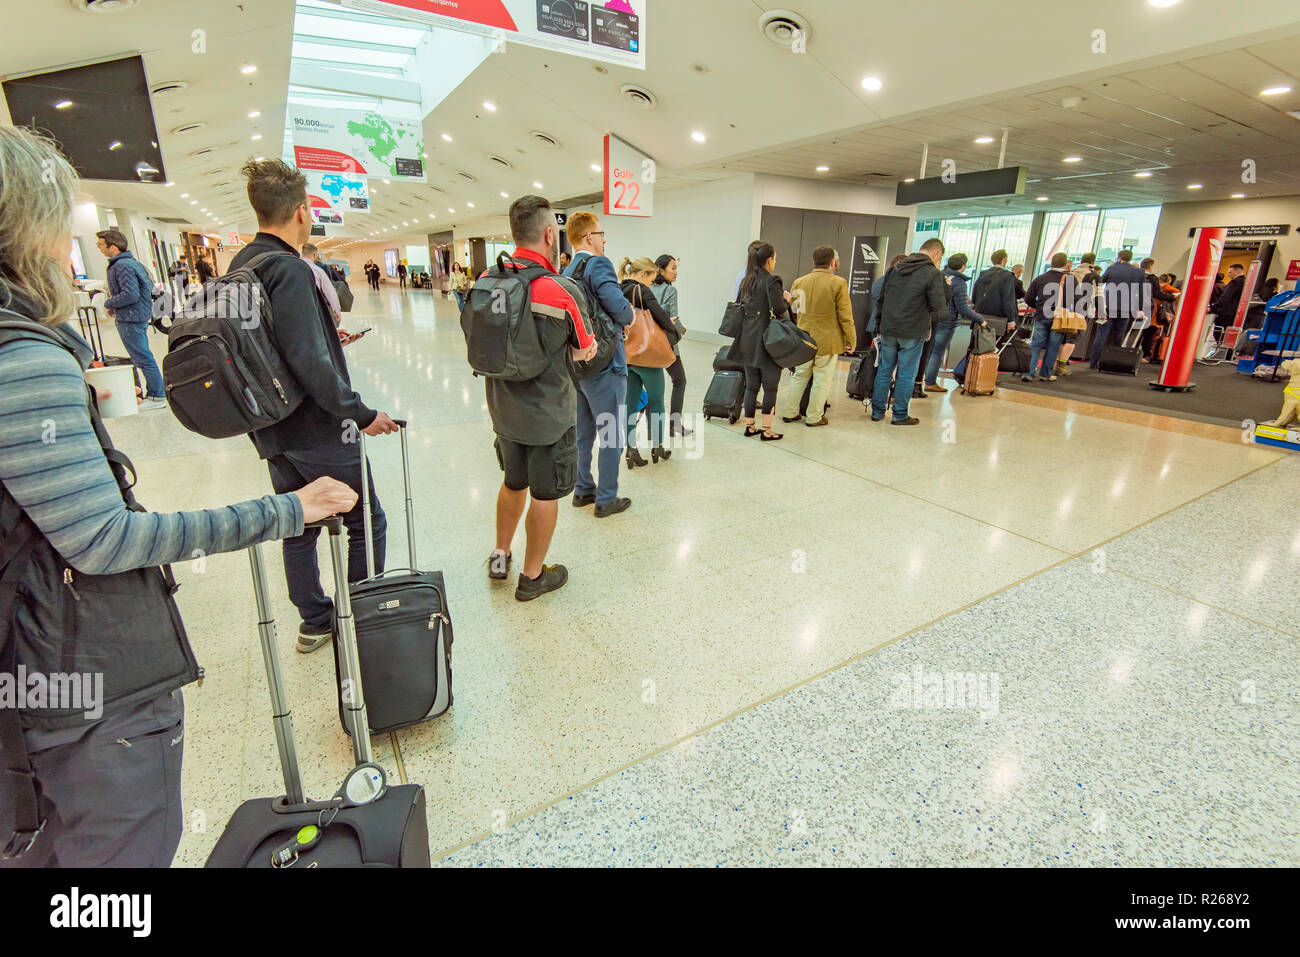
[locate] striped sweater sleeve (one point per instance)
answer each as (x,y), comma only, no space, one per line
(51,463)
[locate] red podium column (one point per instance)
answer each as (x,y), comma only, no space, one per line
(1185,336)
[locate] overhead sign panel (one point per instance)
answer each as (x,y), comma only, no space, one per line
(609,30)
(331,195)
(358,142)
(629,179)
(1007,181)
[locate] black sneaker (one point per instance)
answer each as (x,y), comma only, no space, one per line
(579,501)
(311,637)
(551,578)
(910,420)
(877,418)
(613,508)
(498,566)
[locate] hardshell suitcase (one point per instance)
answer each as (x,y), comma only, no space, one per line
(1122,359)
(724,396)
(404,632)
(981,374)
(367,823)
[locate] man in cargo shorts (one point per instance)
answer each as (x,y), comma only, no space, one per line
(534,421)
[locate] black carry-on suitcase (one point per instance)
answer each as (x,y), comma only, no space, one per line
(724,396)
(861,379)
(1122,359)
(403,628)
(368,822)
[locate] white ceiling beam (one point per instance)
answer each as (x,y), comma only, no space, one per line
(344,81)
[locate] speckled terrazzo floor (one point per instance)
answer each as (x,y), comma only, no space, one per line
(665,706)
(1159,731)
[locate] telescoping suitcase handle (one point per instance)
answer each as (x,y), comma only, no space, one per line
(365,501)
(354,696)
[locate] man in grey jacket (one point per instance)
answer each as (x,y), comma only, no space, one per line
(130,304)
(912,300)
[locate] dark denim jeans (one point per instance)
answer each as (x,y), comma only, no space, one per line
(942,337)
(135,336)
(905,354)
(1045,344)
(602,413)
(290,471)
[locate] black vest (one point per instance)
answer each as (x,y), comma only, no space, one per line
(54,618)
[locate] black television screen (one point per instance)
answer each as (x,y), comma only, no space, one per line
(100,115)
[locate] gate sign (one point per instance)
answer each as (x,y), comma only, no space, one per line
(629,179)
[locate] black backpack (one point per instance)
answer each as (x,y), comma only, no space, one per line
(602,328)
(500,329)
(223,372)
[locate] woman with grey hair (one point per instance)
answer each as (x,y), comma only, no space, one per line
(93,779)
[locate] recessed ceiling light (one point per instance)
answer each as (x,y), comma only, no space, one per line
(256,136)
(194,202)
(505,195)
(469,204)
(62,104)
(1041,199)
(169,184)
(984,139)
(1193,185)
(115,145)
(698,136)
(431,216)
(1238,196)
(450,210)
(961,214)
(185,195)
(537,185)
(388,182)
(871,83)
(405,223)
(910,179)
(1143,174)
(1275,91)
(1073,159)
(823,169)
(248,68)
(595,167)
(1092,205)
(255,114)
(1162,3)
(489,106)
(446,137)
(258,159)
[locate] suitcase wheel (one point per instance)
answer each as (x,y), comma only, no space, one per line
(735,417)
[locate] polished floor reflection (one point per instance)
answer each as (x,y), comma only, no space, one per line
(790,652)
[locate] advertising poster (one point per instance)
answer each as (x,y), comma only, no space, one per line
(331,195)
(357,142)
(864,267)
(610,30)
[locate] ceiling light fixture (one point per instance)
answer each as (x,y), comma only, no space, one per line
(537,185)
(469,204)
(595,167)
(1073,159)
(1092,205)
(1041,199)
(255,137)
(115,145)
(698,136)
(984,139)
(871,83)
(823,169)
(62,104)
(1144,174)
(910,179)
(1162,3)
(248,68)
(1193,185)
(1238,196)
(504,194)
(1275,91)
(489,106)
(255,114)
(446,137)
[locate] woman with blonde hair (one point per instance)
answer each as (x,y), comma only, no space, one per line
(635,277)
(84,583)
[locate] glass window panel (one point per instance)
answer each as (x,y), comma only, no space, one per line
(961,235)
(1006,232)
(1129,228)
(325,27)
(340,54)
(1070,232)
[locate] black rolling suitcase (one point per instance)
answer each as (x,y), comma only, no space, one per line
(1014,356)
(724,396)
(722,364)
(1123,359)
(368,822)
(862,373)
(403,629)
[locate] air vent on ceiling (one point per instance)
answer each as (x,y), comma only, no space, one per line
(216,172)
(188,128)
(437,189)
(168,89)
(103,6)
(499,161)
(169,219)
(206,151)
(640,96)
(546,139)
(464,175)
(781,27)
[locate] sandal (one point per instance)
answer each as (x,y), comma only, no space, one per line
(750,430)
(770,436)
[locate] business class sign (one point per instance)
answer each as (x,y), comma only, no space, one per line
(609,30)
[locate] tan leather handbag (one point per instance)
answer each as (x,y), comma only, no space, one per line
(646,344)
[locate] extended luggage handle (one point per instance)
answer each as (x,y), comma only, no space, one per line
(365,500)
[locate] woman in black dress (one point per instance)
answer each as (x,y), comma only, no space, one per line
(762,299)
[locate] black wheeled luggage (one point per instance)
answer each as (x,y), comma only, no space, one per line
(725,394)
(723,364)
(403,628)
(862,373)
(368,822)
(1122,359)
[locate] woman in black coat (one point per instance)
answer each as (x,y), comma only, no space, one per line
(762,299)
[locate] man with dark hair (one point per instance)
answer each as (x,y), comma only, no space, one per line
(959,309)
(205,269)
(1224,309)
(602,398)
(319,438)
(130,305)
(536,442)
(821,303)
(1125,289)
(912,300)
(1045,294)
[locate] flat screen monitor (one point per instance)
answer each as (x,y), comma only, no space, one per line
(100,115)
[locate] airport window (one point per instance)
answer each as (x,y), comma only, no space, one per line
(1068,231)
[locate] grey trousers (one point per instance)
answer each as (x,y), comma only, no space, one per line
(110,790)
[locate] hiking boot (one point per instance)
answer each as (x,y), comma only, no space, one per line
(551,578)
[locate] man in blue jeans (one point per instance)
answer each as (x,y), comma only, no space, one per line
(912,299)
(1045,294)
(130,304)
(602,399)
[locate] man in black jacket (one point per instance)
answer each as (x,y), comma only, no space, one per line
(1158,295)
(1126,298)
(912,301)
(1047,292)
(319,438)
(1224,308)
